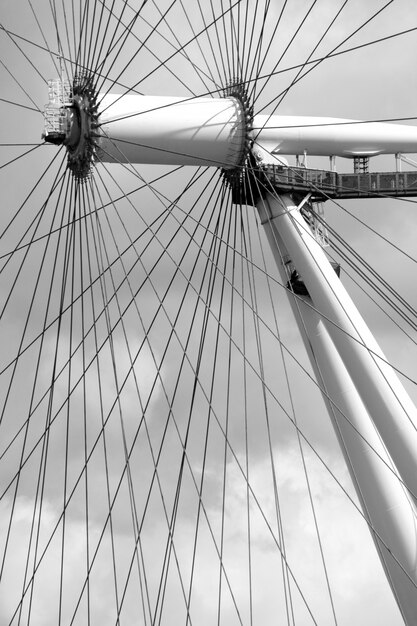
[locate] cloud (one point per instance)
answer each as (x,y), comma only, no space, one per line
(351,85)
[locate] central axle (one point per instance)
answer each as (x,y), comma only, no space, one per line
(220,132)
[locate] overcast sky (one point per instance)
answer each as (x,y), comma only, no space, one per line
(156,389)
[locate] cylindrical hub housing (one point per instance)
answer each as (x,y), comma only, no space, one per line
(174,131)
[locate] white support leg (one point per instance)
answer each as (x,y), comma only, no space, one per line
(384,500)
(386,400)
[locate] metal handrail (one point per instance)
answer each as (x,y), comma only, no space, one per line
(334,185)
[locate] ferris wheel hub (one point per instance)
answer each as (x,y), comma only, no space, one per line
(201,131)
(72,120)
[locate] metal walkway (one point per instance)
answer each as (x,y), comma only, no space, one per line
(325,184)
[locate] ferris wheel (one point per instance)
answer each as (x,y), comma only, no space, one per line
(208,313)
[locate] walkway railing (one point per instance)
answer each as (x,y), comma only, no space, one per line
(328,184)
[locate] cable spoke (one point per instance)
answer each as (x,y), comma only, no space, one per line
(163,453)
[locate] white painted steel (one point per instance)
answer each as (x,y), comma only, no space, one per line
(328,136)
(386,400)
(212,131)
(384,501)
(383,498)
(173,131)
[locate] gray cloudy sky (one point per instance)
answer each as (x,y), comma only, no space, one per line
(75,399)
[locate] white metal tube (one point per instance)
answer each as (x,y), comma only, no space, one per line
(212,131)
(329,136)
(382,496)
(384,501)
(386,400)
(173,131)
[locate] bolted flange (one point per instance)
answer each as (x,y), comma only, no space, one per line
(82,138)
(234,177)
